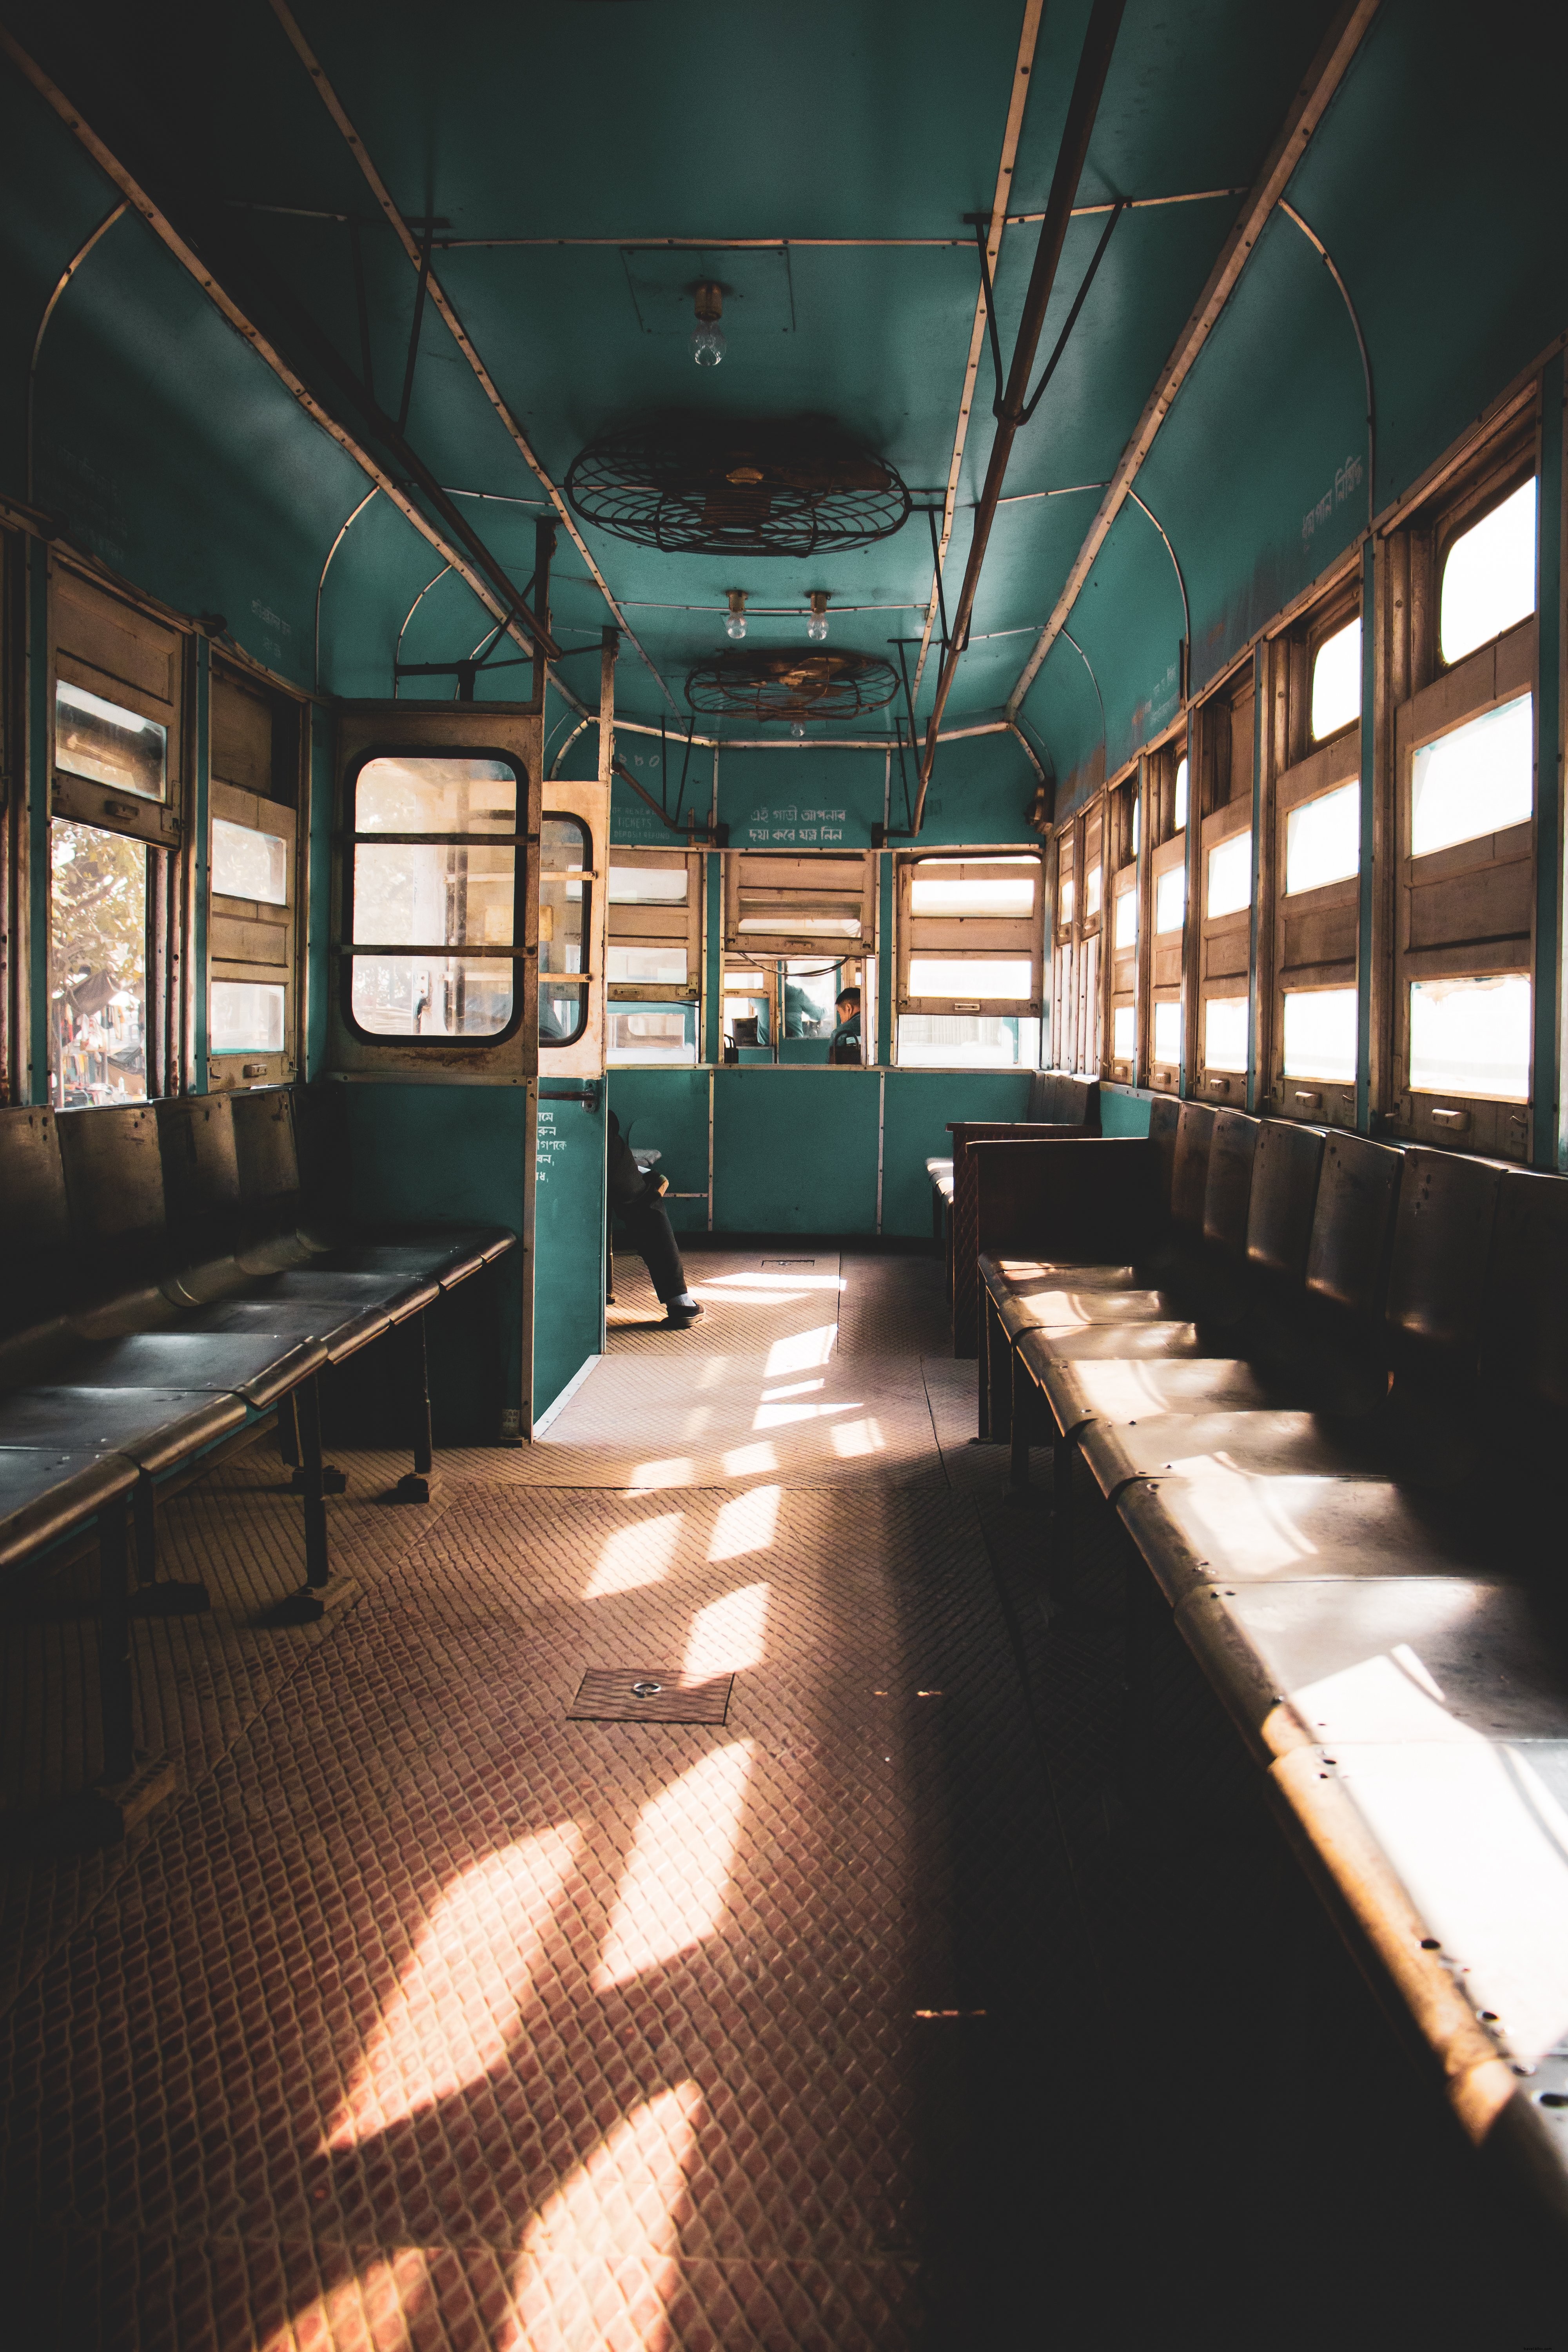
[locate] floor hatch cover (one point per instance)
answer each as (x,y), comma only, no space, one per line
(649,1695)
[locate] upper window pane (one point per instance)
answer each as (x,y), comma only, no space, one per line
(110,746)
(1230,874)
(1225,1033)
(1488,578)
(1167,1030)
(1123,1031)
(1065,897)
(427,894)
(415,794)
(646,886)
(1126,930)
(1322,840)
(1179,798)
(1092,892)
(1476,780)
(1336,681)
(938,889)
(1320,1034)
(1171,899)
(1471,1038)
(248,863)
(978,976)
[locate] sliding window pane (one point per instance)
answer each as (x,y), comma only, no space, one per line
(1126,926)
(108,745)
(1336,681)
(1171,899)
(968,1041)
(1225,1033)
(249,864)
(1123,1031)
(1320,1034)
(1168,1033)
(246,1016)
(1471,1038)
(980,977)
(1092,892)
(1476,780)
(1322,840)
(658,963)
(1488,578)
(938,889)
(1230,874)
(648,886)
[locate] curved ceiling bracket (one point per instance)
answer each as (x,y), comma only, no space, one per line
(1092,680)
(64,280)
(1327,259)
(343,530)
(402,632)
(1187,614)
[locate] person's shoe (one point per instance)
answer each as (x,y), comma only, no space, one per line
(679,1314)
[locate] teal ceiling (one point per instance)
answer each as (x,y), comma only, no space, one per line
(168,447)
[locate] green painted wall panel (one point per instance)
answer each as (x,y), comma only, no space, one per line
(667,1112)
(919,1105)
(794,1151)
(569,1245)
(1123,1111)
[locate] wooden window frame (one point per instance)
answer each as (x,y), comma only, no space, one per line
(657,923)
(1220,955)
(827,879)
(249,770)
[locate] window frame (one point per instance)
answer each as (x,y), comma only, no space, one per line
(249,737)
(1228,753)
(846,876)
(968,938)
(517,953)
(654,923)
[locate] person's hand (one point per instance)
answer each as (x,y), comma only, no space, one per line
(657,1185)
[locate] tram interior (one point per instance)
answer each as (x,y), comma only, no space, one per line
(782,1171)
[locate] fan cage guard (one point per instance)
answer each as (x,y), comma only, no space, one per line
(692,486)
(836,685)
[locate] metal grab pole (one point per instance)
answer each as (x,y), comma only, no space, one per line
(1094,63)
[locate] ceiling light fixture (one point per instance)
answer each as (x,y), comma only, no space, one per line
(708,339)
(735,626)
(817,627)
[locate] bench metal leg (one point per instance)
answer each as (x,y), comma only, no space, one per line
(288,1432)
(414,1485)
(1061,1577)
(156,1597)
(114,1644)
(997,1351)
(1026,1410)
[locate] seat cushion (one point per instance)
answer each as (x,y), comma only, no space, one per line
(1112,1343)
(1223,1526)
(1257,1446)
(1121,1391)
(1064,1309)
(1007,1278)
(47,1491)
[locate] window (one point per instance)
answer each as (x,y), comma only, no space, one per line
(655,939)
(1322,839)
(1471,1036)
(779,905)
(1179,797)
(254,748)
(655,1032)
(1123,1033)
(433,919)
(1476,780)
(1168,1032)
(1124,927)
(108,745)
(247,863)
(1225,1033)
(970,973)
(246,1016)
(1230,876)
(1489,576)
(97,966)
(1171,899)
(1336,681)
(1320,1035)
(1092,892)
(1064,901)
(566,896)
(116,715)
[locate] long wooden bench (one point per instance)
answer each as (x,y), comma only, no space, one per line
(1321,1381)
(1062,1103)
(169,1285)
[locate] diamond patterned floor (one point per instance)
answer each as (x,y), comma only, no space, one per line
(889,2012)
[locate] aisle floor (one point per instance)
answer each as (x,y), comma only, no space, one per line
(433,2014)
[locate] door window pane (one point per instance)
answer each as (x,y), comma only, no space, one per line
(1471,1036)
(1488,577)
(1476,780)
(1336,681)
(1168,1032)
(1320,1034)
(1225,1033)
(968,1041)
(248,863)
(246,1016)
(108,745)
(1322,840)
(98,956)
(648,886)
(432,996)
(1123,1031)
(938,889)
(655,964)
(432,894)
(563,1014)
(436,795)
(564,888)
(1171,899)
(1126,931)
(1230,874)
(958,976)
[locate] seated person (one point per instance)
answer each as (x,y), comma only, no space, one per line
(845,1045)
(636,1198)
(803,1014)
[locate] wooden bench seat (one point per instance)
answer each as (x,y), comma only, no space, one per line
(1340,1472)
(1062,1103)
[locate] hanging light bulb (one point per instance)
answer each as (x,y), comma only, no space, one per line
(735,626)
(817,627)
(708,339)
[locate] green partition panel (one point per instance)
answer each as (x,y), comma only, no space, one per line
(568,1241)
(1123,1111)
(667,1112)
(795,1150)
(919,1105)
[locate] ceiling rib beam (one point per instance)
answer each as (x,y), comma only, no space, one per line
(1028,40)
(1305,110)
(419,257)
(465,553)
(1088,85)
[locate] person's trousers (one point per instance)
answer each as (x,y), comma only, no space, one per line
(646,1224)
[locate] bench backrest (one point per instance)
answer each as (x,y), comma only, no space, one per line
(1190,1170)
(35,1217)
(1438,1272)
(201,1176)
(1285,1171)
(1064,1098)
(1524,1317)
(114,1184)
(267,1161)
(1227,1192)
(1352,1226)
